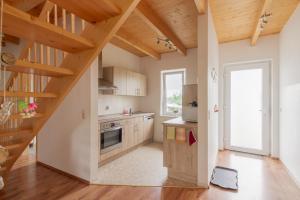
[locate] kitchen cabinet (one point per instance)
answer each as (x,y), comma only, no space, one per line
(129,135)
(118,77)
(138,129)
(128,82)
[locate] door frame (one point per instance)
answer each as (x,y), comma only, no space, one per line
(266,126)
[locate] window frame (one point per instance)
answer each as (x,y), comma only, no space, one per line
(163,106)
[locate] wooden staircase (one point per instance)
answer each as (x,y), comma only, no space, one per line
(59,47)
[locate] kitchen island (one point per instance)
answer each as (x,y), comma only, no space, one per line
(180,150)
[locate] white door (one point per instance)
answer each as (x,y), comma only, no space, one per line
(247,108)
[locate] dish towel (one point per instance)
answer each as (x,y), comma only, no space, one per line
(180,135)
(192,138)
(170,133)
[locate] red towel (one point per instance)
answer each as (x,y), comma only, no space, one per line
(192,138)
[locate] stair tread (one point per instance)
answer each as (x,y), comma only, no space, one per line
(23,25)
(13,146)
(21,116)
(23,66)
(11,132)
(28,94)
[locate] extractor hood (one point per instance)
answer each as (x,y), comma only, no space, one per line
(102,83)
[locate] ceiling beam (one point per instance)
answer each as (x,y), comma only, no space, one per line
(201,6)
(257,31)
(128,39)
(150,17)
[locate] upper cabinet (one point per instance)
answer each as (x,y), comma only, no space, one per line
(128,82)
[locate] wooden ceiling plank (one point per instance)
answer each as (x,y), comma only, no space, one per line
(90,10)
(201,6)
(150,17)
(24,5)
(266,7)
(126,38)
(23,25)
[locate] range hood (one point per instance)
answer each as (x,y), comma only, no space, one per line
(102,83)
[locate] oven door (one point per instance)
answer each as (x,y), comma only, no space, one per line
(111,139)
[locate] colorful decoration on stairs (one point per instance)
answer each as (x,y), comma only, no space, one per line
(27,109)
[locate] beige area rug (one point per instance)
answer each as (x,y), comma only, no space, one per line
(141,167)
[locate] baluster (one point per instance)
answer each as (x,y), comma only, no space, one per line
(64,23)
(73,23)
(48,48)
(55,56)
(82,24)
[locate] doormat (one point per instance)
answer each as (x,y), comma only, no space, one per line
(225,177)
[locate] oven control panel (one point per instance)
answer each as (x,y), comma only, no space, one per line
(109,125)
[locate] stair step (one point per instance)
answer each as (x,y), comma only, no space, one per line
(13,132)
(23,25)
(22,66)
(86,9)
(2,170)
(28,94)
(20,116)
(12,147)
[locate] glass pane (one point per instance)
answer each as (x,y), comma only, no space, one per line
(246,105)
(174,93)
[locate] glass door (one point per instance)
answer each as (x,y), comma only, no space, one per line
(247,108)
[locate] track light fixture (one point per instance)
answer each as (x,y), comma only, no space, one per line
(264,20)
(166,42)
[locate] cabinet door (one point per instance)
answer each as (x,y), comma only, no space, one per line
(120,80)
(139,133)
(142,85)
(148,128)
(130,138)
(131,88)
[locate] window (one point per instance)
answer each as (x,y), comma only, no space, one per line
(171,95)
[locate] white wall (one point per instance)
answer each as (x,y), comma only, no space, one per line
(208,58)
(267,48)
(290,95)
(67,141)
(114,56)
(152,68)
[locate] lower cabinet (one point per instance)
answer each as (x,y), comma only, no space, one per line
(136,131)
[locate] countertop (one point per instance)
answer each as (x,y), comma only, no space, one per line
(178,122)
(107,118)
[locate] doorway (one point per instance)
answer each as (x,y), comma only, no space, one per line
(247,107)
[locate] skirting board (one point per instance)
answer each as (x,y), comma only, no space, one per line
(62,172)
(291,175)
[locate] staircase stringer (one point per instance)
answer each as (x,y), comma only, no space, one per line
(99,33)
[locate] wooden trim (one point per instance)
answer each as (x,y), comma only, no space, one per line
(62,172)
(150,17)
(201,6)
(257,31)
(126,38)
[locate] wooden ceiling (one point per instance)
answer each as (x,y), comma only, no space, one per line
(177,20)
(237,19)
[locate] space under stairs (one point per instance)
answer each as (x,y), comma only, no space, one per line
(62,38)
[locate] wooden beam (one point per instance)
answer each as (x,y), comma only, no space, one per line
(90,10)
(22,66)
(151,18)
(201,6)
(257,31)
(23,25)
(126,38)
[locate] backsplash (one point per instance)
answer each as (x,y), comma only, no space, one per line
(116,104)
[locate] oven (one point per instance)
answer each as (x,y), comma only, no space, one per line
(111,136)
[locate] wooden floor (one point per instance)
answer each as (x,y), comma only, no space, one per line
(260,178)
